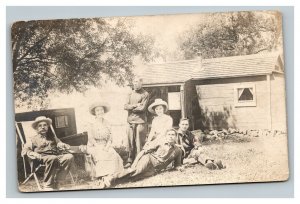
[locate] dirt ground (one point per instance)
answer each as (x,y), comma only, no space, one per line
(247,159)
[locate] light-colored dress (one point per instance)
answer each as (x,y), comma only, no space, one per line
(160,125)
(106,160)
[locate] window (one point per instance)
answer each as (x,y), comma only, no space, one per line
(61,121)
(245,95)
(174,101)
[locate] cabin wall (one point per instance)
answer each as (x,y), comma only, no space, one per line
(218,110)
(278,102)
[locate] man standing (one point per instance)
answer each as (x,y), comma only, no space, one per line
(137,129)
(151,160)
(191,147)
(45,148)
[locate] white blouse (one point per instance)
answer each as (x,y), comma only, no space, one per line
(160,125)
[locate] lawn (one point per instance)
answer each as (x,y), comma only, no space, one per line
(247,159)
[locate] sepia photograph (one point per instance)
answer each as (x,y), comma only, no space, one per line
(149,101)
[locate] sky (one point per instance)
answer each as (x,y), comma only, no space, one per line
(166,28)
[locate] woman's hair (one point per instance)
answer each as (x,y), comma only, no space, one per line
(171,129)
(176,134)
(184,119)
(161,106)
(94,109)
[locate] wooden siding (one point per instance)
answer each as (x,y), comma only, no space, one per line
(216,99)
(278,102)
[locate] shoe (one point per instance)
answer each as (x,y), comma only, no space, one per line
(100,184)
(220,164)
(128,165)
(57,186)
(211,166)
(107,180)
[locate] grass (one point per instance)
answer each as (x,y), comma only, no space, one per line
(247,159)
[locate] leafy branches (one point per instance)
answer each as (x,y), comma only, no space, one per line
(69,55)
(241,33)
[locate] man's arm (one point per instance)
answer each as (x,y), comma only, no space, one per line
(151,147)
(141,107)
(28,147)
(28,150)
(129,106)
(61,145)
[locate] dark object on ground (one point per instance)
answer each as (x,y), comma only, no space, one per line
(211,166)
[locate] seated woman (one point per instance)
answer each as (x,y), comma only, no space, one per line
(161,123)
(106,160)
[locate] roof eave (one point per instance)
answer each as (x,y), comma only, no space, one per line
(235,76)
(163,84)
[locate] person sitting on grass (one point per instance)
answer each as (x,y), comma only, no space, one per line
(149,161)
(192,148)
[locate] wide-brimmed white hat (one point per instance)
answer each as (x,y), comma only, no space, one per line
(41,119)
(99,104)
(157,102)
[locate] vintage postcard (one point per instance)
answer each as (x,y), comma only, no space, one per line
(147,101)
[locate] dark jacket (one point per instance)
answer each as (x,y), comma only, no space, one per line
(136,106)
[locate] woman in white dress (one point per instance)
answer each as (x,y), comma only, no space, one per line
(106,160)
(162,122)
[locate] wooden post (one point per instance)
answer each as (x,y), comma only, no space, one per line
(182,102)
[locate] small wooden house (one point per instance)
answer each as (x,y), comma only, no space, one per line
(244,92)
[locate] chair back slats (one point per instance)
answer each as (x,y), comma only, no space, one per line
(19,134)
(23,143)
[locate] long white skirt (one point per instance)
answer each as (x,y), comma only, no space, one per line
(105,162)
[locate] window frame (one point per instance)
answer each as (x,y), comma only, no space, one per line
(246,103)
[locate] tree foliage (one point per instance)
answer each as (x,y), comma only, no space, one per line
(70,55)
(240,33)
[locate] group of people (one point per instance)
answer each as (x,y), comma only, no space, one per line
(148,154)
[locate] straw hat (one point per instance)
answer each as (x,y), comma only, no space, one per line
(41,119)
(157,102)
(99,104)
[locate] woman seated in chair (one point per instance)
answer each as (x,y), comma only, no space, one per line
(105,159)
(161,122)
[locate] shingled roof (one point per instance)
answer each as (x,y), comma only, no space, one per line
(225,67)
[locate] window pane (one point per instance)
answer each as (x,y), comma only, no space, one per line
(174,101)
(61,121)
(245,94)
